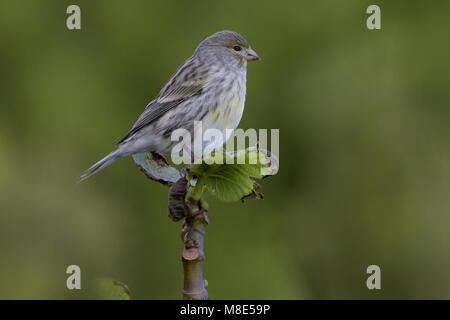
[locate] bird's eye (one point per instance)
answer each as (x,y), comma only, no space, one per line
(237,48)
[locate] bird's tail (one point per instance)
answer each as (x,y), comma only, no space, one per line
(106,161)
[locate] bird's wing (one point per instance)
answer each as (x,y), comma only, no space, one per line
(176,91)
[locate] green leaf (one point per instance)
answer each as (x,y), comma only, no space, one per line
(109,289)
(233,182)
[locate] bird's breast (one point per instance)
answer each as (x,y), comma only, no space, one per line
(228,105)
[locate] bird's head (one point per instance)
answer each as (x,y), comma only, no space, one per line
(228,47)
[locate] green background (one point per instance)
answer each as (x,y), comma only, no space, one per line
(364,149)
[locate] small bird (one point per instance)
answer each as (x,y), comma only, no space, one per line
(209,87)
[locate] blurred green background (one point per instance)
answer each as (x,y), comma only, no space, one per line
(364,165)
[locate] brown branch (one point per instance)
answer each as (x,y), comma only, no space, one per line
(195,215)
(193,234)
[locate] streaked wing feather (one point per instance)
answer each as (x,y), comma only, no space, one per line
(171,96)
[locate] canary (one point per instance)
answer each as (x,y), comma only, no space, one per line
(209,87)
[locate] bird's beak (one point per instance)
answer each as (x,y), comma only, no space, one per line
(252,55)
